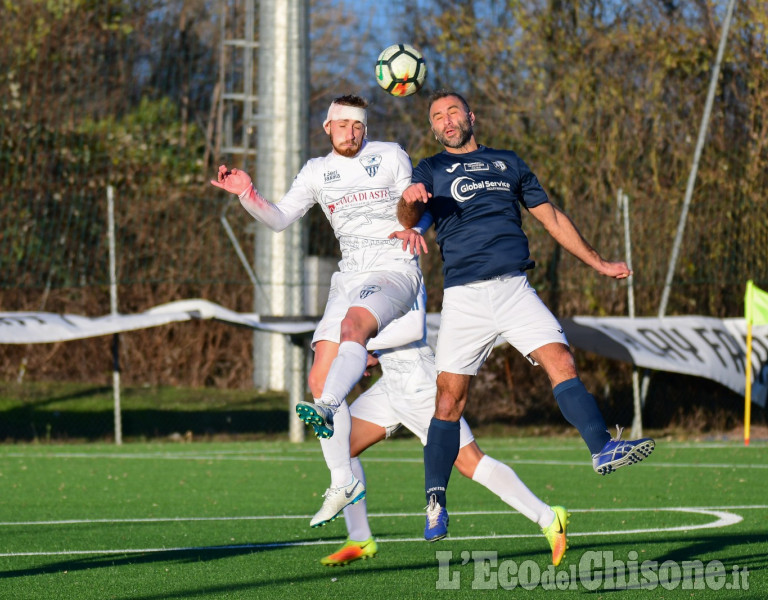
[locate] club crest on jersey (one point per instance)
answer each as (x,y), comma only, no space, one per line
(368,290)
(500,165)
(329,176)
(475,166)
(371,162)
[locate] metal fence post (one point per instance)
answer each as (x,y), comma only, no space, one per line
(113,311)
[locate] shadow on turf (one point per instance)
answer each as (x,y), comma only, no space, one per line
(138,558)
(316,572)
(713,546)
(722,547)
(29,424)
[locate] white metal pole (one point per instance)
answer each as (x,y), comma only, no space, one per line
(637,419)
(113,310)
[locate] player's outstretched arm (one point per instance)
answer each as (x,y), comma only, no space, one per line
(564,231)
(234,181)
(275,217)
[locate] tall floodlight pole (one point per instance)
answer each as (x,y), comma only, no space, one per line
(703,127)
(282,143)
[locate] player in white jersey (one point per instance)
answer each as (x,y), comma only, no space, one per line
(357,185)
(404,395)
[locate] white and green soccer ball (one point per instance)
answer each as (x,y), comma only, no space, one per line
(401,70)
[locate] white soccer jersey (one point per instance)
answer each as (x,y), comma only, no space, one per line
(409,370)
(359,196)
(405,393)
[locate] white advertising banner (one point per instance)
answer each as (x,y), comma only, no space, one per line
(693,345)
(41,327)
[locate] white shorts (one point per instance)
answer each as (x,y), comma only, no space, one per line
(475,314)
(387,295)
(376,405)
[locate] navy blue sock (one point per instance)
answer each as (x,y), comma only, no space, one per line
(439,455)
(580,409)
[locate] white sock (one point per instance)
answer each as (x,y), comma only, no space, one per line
(356,515)
(336,448)
(504,482)
(346,370)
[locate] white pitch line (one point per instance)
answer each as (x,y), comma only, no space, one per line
(723,519)
(318,458)
(495,443)
(386,515)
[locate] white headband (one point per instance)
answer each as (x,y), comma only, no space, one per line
(338,112)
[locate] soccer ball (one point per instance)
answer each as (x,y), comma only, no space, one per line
(401,70)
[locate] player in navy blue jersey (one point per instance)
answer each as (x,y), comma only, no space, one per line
(475,194)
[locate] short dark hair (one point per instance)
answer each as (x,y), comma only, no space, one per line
(351,100)
(440,94)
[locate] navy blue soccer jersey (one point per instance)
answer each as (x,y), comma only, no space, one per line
(475,202)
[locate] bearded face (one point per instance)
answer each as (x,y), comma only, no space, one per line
(346,136)
(455,135)
(451,122)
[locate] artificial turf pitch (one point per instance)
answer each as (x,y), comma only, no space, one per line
(231,520)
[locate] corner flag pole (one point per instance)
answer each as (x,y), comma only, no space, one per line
(748,392)
(748,315)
